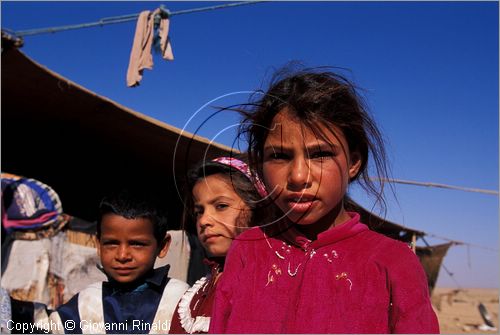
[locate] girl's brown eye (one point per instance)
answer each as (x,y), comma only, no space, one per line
(277,156)
(221,206)
(322,154)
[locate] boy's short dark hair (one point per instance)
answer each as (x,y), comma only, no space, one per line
(132,205)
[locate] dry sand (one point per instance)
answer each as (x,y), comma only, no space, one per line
(458,312)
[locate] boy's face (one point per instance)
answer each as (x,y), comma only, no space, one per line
(128,247)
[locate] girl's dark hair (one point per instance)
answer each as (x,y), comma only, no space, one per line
(317,97)
(132,205)
(241,184)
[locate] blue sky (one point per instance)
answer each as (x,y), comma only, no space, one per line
(429,72)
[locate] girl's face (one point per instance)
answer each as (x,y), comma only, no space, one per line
(220,212)
(307,174)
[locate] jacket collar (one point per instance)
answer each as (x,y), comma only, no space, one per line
(330,236)
(155,277)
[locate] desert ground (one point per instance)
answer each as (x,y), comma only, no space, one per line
(458,312)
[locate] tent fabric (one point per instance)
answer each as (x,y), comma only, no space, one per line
(431,258)
(9,40)
(101,145)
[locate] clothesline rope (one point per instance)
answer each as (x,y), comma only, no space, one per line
(125,18)
(461,243)
(427,184)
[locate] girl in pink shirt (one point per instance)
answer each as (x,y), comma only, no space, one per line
(220,200)
(318,269)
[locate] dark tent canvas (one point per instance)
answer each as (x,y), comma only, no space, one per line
(83,144)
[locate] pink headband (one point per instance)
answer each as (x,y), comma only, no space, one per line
(245,169)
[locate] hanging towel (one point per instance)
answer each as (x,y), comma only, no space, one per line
(140,56)
(166,47)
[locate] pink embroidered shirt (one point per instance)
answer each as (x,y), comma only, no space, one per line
(349,280)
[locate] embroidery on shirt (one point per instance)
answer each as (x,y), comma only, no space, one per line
(313,252)
(293,274)
(334,255)
(276,269)
(278,254)
(286,248)
(343,275)
(270,278)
